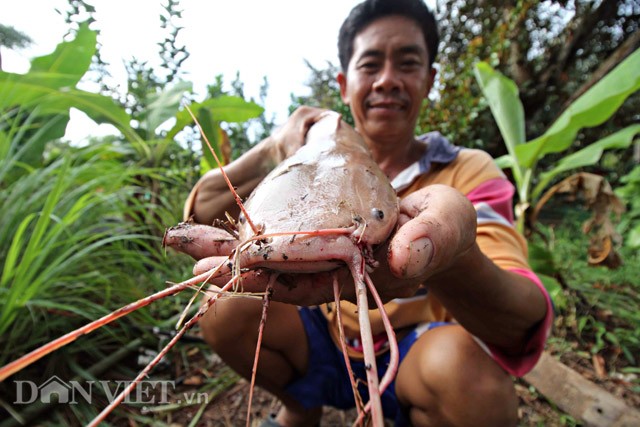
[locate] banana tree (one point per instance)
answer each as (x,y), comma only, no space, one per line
(211,113)
(34,107)
(591,109)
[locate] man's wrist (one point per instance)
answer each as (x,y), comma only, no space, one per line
(269,154)
(471,260)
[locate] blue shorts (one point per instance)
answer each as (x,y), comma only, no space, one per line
(327,380)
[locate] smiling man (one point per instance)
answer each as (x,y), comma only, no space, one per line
(467,310)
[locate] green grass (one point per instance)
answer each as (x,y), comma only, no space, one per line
(600,305)
(76,242)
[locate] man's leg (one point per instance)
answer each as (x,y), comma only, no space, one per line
(446,379)
(230,327)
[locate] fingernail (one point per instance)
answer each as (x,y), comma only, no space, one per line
(420,254)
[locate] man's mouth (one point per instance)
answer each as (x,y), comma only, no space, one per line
(385,105)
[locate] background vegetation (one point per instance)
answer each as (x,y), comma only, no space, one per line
(81,226)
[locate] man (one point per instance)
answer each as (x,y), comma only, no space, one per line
(467,309)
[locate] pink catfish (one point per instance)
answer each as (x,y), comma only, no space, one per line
(326,206)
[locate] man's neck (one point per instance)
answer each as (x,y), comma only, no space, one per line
(394,157)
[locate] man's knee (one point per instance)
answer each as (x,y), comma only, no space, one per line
(447,379)
(231,328)
(229,320)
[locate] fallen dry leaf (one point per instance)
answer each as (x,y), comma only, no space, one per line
(598,196)
(599,366)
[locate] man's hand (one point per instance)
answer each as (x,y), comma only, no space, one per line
(437,224)
(297,289)
(288,138)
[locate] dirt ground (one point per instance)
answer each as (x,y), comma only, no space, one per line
(229,406)
(222,396)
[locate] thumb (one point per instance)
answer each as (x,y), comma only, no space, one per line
(438,224)
(411,250)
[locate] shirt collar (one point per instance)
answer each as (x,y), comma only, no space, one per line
(439,150)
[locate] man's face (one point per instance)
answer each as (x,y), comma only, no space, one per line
(388,77)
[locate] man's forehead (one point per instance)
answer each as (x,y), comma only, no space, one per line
(399,50)
(396,33)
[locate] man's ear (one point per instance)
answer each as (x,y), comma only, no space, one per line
(342,81)
(432,78)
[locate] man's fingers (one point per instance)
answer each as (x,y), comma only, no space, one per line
(298,289)
(206,264)
(412,249)
(411,260)
(310,115)
(292,135)
(437,224)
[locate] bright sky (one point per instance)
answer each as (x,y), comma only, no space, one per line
(254,37)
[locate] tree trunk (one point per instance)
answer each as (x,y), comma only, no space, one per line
(624,50)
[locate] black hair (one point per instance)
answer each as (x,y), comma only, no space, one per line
(370,10)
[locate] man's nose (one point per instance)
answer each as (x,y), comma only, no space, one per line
(387,79)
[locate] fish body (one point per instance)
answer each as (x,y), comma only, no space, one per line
(331,182)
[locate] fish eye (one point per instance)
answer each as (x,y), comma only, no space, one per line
(241,218)
(377,213)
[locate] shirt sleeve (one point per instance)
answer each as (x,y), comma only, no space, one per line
(500,241)
(521,364)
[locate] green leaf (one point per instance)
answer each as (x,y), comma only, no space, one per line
(5,144)
(593,108)
(71,58)
(587,156)
(633,238)
(504,101)
(28,89)
(43,130)
(50,86)
(230,109)
(13,254)
(164,106)
(51,93)
(29,254)
(541,259)
(100,108)
(211,129)
(506,161)
(555,291)
(27,134)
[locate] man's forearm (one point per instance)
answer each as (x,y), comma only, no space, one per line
(497,306)
(211,197)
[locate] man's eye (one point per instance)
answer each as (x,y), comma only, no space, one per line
(369,65)
(410,63)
